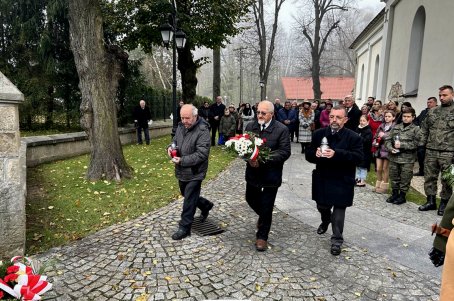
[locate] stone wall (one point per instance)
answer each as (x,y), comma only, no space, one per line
(12,173)
(43,149)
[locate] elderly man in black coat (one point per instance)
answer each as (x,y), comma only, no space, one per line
(264,179)
(333,179)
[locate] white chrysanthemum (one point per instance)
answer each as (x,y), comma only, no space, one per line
(258,141)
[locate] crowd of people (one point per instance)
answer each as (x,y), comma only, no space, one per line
(342,140)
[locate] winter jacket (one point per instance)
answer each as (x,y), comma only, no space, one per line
(333,179)
(408,137)
(227,125)
(291,115)
(366,136)
(353,117)
(382,151)
(142,116)
(193,149)
(269,174)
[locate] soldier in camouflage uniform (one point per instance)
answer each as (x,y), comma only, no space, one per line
(437,135)
(402,144)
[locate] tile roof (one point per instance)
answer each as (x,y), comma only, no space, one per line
(332,87)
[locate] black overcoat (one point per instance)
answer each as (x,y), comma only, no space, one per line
(333,180)
(277,137)
(366,135)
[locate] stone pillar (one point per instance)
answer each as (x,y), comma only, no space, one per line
(12,173)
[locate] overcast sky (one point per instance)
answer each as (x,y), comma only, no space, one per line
(288,8)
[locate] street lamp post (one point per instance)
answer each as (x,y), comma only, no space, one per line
(171,32)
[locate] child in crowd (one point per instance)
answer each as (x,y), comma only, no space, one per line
(227,127)
(381,153)
(365,133)
(402,144)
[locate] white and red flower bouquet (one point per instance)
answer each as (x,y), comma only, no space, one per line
(249,146)
(19,280)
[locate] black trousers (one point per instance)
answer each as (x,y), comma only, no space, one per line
(421,153)
(336,218)
(214,124)
(261,200)
(192,201)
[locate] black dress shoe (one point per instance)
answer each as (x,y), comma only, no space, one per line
(322,228)
(180,234)
(335,250)
(204,213)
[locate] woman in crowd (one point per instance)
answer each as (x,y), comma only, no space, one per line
(364,110)
(375,116)
(324,115)
(363,167)
(306,125)
(381,153)
(404,105)
(227,127)
(247,115)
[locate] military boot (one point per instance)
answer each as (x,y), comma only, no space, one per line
(431,204)
(393,196)
(400,199)
(441,208)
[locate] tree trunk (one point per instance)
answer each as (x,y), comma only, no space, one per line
(316,77)
(188,70)
(99,72)
(216,72)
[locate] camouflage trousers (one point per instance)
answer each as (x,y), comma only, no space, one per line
(400,175)
(434,163)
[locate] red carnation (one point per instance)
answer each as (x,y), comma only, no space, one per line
(11,277)
(264,140)
(12,269)
(1,294)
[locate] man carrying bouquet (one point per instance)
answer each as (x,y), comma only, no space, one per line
(264,178)
(192,139)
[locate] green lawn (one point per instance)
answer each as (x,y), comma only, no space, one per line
(63,206)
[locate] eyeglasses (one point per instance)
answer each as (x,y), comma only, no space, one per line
(336,117)
(262,113)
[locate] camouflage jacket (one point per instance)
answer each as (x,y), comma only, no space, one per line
(446,222)
(437,130)
(408,137)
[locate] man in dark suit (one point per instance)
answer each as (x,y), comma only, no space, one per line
(333,179)
(353,113)
(264,179)
(142,116)
(216,112)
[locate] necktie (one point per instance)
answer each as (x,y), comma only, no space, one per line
(263,127)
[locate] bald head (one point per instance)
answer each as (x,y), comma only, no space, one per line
(188,114)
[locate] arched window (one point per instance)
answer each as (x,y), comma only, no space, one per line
(361,82)
(375,78)
(415,52)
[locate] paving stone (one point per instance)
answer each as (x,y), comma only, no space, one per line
(298,266)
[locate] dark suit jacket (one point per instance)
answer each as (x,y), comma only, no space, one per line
(277,138)
(333,180)
(353,118)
